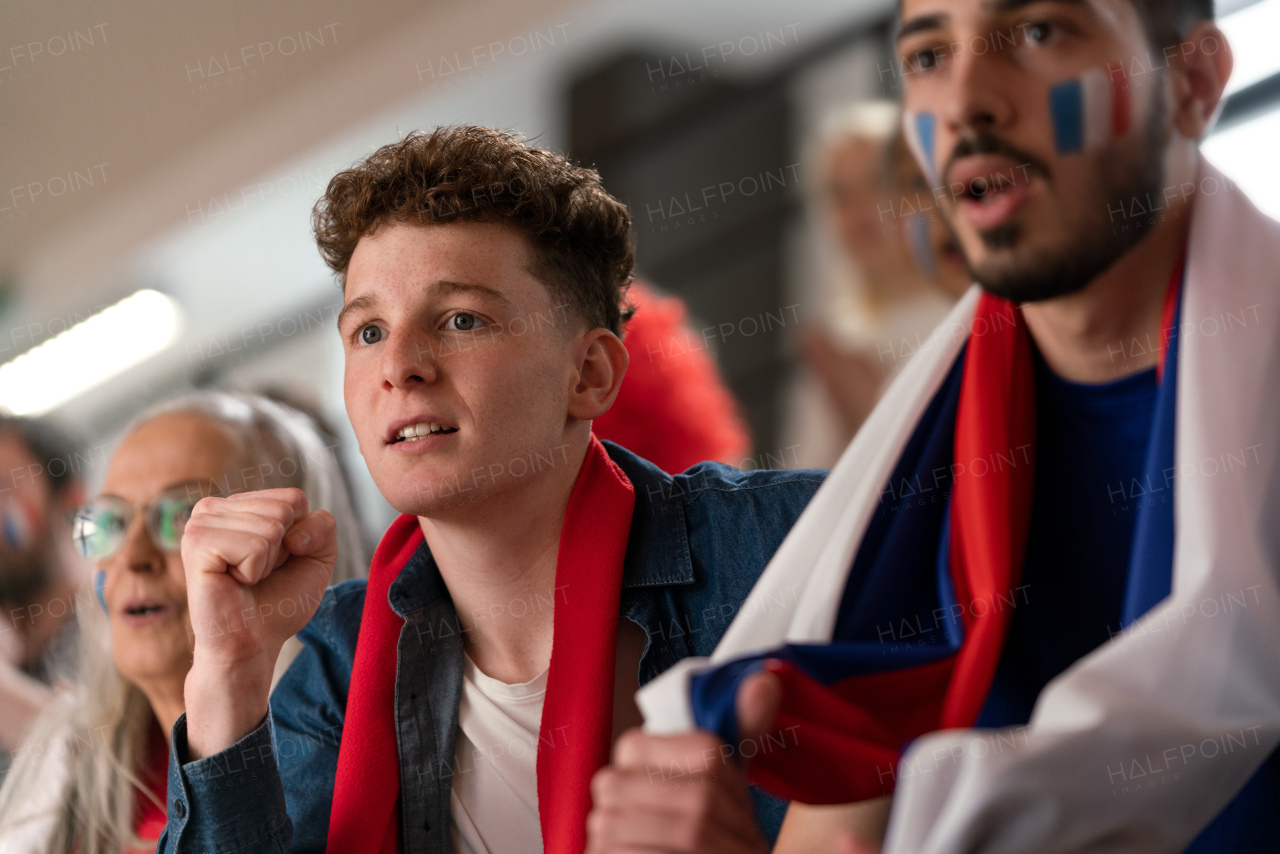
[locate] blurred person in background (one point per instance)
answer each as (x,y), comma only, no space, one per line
(673,409)
(39,572)
(91,778)
(894,274)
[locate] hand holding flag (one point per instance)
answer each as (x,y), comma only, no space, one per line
(683,793)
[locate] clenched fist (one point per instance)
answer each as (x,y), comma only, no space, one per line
(682,793)
(257,564)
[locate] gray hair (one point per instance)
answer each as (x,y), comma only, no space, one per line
(97,739)
(284,447)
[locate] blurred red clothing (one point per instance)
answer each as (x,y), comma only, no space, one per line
(673,409)
(149,819)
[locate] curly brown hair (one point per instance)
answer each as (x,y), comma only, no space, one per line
(583,247)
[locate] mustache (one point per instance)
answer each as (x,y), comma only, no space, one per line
(982,142)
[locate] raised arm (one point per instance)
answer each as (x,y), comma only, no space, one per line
(256,565)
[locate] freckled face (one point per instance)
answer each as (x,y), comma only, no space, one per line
(459,363)
(1031,222)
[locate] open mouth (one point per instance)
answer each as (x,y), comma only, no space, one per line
(417,432)
(143,610)
(989,190)
(991,198)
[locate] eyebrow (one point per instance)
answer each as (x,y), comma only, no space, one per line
(449,288)
(200,482)
(443,288)
(924,23)
(355,304)
(189,482)
(1015,5)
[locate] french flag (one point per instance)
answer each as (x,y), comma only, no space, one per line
(907,567)
(1090,110)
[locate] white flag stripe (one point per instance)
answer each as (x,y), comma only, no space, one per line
(1097,95)
(1179,676)
(1185,673)
(924,158)
(815,556)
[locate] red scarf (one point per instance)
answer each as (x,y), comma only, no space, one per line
(991,516)
(149,819)
(853,722)
(577,713)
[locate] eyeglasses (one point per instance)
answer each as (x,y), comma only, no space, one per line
(98,528)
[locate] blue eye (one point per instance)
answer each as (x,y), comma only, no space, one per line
(371,334)
(463,322)
(1039,32)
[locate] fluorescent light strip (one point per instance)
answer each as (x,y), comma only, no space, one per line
(89,353)
(1252,33)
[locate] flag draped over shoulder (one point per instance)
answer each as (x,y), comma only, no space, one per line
(871,605)
(919,625)
(1192,686)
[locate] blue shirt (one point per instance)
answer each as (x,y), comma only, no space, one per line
(1091,446)
(1091,449)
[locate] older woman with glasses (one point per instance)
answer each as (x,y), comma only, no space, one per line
(91,779)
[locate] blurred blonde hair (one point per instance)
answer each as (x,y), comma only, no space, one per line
(101,731)
(873,122)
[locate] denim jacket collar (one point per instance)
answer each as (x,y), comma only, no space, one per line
(657,548)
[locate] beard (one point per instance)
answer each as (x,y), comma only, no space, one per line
(26,574)
(1093,243)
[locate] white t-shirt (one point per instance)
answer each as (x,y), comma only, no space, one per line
(494,803)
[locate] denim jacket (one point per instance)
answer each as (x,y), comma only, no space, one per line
(698,543)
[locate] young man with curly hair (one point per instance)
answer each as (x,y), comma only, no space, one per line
(462,700)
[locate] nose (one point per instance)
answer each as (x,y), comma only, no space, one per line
(408,360)
(979,91)
(137,553)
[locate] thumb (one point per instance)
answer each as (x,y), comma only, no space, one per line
(314,535)
(757,704)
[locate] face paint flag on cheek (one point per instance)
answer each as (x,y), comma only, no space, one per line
(921,249)
(921,132)
(1090,110)
(17,526)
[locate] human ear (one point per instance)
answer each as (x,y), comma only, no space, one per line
(1202,64)
(602,362)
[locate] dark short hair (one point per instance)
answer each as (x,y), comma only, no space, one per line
(1167,21)
(45,442)
(583,247)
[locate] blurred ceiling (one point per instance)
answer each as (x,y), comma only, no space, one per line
(119,117)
